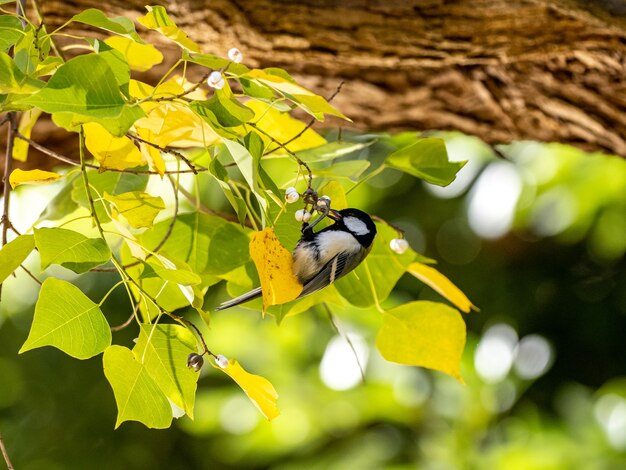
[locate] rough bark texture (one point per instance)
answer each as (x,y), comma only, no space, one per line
(503,70)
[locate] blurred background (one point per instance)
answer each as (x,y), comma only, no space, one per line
(535,237)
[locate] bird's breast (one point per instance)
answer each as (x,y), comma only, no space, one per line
(309,257)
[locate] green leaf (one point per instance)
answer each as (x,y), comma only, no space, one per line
(137,396)
(209,245)
(249,168)
(330,151)
(426,334)
(158,19)
(228,111)
(62,204)
(163,351)
(118,126)
(137,207)
(374,279)
(110,182)
(70,249)
(14,253)
(211,61)
(118,25)
(13,80)
(96,95)
(426,159)
(351,169)
(66,319)
(169,269)
(31,49)
(11,31)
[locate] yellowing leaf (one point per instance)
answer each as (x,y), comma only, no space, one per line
(260,390)
(27,121)
(158,19)
(117,153)
(140,57)
(283,128)
(18,177)
(274,264)
(150,153)
(426,334)
(137,207)
(441,284)
(336,193)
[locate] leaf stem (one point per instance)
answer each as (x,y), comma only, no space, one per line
(331,318)
(6,190)
(110,292)
(5,454)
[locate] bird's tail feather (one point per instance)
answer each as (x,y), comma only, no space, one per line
(253,294)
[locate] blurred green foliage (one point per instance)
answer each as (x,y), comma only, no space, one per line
(544,365)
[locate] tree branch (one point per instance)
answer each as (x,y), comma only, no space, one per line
(5,454)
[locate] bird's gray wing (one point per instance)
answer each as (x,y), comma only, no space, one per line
(337,267)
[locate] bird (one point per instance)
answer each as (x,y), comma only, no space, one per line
(320,258)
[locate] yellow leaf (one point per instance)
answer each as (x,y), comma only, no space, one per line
(260,391)
(274,264)
(140,57)
(137,207)
(283,128)
(158,19)
(150,153)
(426,334)
(27,121)
(18,177)
(441,284)
(118,153)
(336,193)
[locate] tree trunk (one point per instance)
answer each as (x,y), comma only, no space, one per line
(502,70)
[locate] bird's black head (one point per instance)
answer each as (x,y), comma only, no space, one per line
(356,222)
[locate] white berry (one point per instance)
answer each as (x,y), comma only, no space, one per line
(399,245)
(302,215)
(221,361)
(235,55)
(216,80)
(291,195)
(323,203)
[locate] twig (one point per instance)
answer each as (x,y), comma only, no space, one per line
(311,121)
(331,318)
(167,150)
(31,274)
(186,92)
(5,454)
(68,160)
(8,168)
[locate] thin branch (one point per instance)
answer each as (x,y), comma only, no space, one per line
(168,150)
(68,160)
(8,168)
(31,274)
(183,94)
(5,454)
(331,318)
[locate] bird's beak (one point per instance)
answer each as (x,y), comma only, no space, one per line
(335,215)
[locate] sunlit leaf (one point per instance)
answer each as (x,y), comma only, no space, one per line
(331,150)
(426,334)
(151,154)
(14,253)
(426,159)
(351,169)
(283,128)
(66,319)
(274,264)
(118,153)
(336,193)
(137,396)
(70,249)
(19,176)
(11,31)
(440,283)
(111,182)
(31,49)
(140,57)
(374,279)
(95,95)
(117,126)
(62,204)
(260,391)
(158,19)
(211,61)
(119,24)
(170,269)
(27,120)
(137,207)
(13,80)
(163,350)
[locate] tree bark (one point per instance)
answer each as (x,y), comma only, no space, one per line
(502,70)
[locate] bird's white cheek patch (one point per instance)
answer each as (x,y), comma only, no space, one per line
(356,226)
